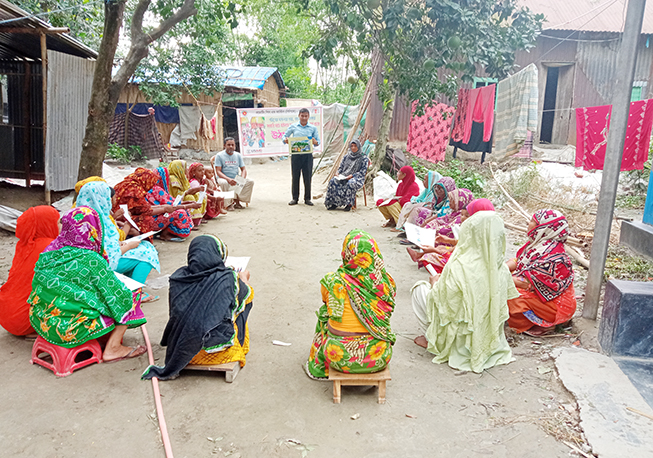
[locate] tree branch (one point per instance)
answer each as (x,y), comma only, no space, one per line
(187,10)
(137,18)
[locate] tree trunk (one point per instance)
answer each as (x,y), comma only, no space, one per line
(106,90)
(381,140)
(100,108)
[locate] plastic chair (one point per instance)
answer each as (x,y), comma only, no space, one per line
(64,359)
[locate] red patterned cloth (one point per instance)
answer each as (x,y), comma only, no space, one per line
(458,131)
(543,260)
(429,134)
(592,126)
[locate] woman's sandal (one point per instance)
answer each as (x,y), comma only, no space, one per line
(147,298)
(135,353)
(539,331)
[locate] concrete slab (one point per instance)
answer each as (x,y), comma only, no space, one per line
(627,318)
(640,373)
(603,393)
(638,236)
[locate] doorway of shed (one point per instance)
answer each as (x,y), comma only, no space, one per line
(548,109)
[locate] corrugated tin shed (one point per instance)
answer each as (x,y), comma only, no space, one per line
(587,15)
(251,77)
(29,45)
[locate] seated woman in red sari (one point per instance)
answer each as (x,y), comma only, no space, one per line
(544,276)
(152,208)
(438,255)
(407,189)
(35,229)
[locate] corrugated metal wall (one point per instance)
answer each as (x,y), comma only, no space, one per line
(70,80)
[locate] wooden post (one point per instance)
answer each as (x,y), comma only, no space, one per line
(44,86)
(27,147)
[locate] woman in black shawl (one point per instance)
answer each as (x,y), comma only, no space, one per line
(342,188)
(209,306)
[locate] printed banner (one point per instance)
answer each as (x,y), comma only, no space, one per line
(261,129)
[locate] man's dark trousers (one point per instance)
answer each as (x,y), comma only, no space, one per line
(301,164)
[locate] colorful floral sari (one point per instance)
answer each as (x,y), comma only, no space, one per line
(363,284)
(179,221)
(75,295)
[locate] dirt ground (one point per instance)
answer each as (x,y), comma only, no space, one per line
(272,409)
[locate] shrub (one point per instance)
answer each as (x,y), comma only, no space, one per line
(124,155)
(466,176)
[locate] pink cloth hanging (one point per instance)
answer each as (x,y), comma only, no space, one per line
(429,134)
(458,131)
(592,126)
(480,109)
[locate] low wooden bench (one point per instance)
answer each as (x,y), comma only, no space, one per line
(230,369)
(376,379)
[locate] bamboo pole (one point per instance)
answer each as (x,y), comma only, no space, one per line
(350,137)
(44,79)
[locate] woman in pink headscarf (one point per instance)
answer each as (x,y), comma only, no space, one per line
(438,255)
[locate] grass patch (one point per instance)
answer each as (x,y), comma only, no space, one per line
(468,176)
(623,264)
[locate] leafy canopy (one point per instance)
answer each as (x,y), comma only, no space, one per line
(428,46)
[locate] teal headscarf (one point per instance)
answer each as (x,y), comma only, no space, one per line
(97,195)
(427,195)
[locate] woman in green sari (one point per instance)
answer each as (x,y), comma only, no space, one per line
(76,297)
(353,332)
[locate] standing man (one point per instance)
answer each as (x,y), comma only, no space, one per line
(302,164)
(227,164)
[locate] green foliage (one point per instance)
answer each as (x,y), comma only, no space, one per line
(465,175)
(190,55)
(85,18)
(636,183)
(622,264)
(416,39)
(124,155)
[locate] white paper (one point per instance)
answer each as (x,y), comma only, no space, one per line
(420,236)
(386,202)
(130,283)
(201,196)
(238,187)
(147,235)
(280,343)
(129,218)
(224,194)
(455,229)
(177,200)
(430,268)
(341,177)
(238,264)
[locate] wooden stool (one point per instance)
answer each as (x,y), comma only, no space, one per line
(341,379)
(230,369)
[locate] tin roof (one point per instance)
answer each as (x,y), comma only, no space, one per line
(251,77)
(587,15)
(28,45)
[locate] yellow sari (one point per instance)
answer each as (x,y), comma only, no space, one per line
(179,184)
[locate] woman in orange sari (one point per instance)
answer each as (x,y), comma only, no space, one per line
(35,229)
(544,276)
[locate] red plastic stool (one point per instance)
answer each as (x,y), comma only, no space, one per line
(63,359)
